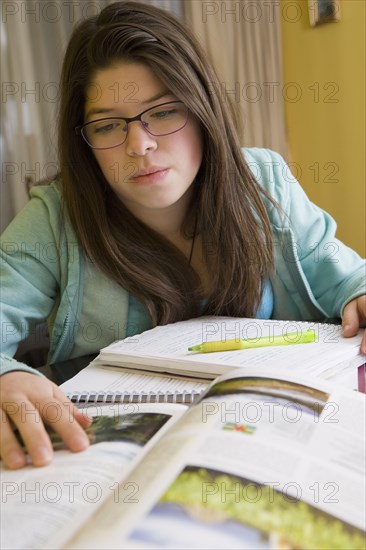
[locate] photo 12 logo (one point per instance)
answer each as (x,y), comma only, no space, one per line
(48,11)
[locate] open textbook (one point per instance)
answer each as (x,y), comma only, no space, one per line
(263,460)
(165,348)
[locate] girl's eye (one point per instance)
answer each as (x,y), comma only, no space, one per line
(163,114)
(106,128)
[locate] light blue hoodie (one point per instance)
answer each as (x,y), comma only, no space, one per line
(46,275)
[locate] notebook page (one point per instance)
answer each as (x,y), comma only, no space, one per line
(97,377)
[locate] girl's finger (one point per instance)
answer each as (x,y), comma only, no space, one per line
(10,450)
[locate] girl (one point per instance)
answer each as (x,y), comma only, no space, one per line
(157,216)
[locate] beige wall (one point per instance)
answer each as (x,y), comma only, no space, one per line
(325,111)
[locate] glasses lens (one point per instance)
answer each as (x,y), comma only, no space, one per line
(106,133)
(165,119)
(159,121)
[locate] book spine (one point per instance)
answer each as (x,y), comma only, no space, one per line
(185,398)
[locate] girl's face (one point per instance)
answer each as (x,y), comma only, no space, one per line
(172,161)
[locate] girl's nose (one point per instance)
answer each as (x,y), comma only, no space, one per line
(139,141)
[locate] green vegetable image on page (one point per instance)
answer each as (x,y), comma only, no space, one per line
(239,513)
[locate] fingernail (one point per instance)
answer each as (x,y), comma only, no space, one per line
(15,459)
(79,443)
(44,455)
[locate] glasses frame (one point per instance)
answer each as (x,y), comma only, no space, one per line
(80,129)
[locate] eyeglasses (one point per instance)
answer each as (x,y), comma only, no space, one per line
(160,120)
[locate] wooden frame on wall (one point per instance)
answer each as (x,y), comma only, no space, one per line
(324,11)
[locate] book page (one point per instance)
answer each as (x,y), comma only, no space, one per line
(165,348)
(52,502)
(262,462)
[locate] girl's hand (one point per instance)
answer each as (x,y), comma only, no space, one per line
(354,317)
(28,402)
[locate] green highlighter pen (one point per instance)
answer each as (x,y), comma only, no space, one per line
(287,339)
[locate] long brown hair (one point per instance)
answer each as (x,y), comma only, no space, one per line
(226,200)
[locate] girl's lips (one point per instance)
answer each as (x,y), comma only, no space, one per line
(152,177)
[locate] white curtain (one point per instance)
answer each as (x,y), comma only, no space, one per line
(243,39)
(34,36)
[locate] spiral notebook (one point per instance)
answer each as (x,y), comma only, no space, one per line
(99,383)
(186,398)
(156,367)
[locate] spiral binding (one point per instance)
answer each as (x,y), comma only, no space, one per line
(184,398)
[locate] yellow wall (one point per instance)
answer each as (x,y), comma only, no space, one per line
(326,125)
